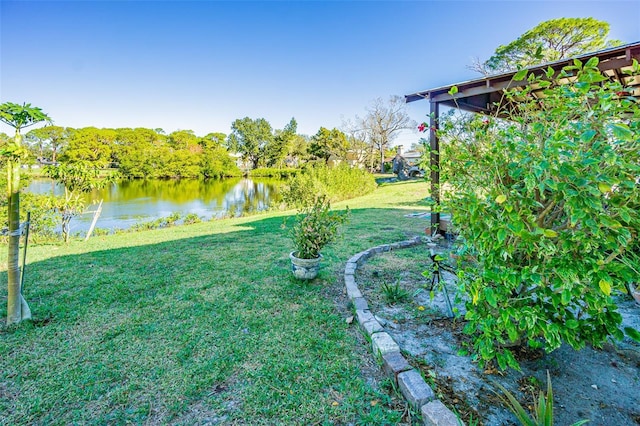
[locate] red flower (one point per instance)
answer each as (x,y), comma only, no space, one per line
(422,127)
(485,121)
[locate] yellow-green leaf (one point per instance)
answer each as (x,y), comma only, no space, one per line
(453,90)
(501,198)
(550,233)
(604,188)
(605,286)
(520,75)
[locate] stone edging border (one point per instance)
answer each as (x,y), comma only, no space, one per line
(411,384)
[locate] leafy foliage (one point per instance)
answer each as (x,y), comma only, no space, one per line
(164,222)
(327,142)
(549,204)
(315,227)
(78,179)
(137,153)
(549,41)
(21,116)
(250,138)
(337,183)
(90,144)
(282,144)
(191,218)
(47,142)
(43,216)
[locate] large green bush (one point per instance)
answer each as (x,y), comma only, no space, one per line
(549,203)
(337,183)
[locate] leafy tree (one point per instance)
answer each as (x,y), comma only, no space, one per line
(18,117)
(250,138)
(135,151)
(327,142)
(48,141)
(182,163)
(184,139)
(298,150)
(78,179)
(383,123)
(90,144)
(549,41)
(184,158)
(212,140)
(215,161)
(548,205)
(281,146)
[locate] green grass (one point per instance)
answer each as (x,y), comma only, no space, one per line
(197,323)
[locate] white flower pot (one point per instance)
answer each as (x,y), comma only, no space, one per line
(304,269)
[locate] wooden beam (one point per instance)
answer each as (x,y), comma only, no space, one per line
(434,163)
(474,90)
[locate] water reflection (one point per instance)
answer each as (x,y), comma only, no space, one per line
(128,202)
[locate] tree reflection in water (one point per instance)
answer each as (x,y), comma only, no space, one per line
(132,201)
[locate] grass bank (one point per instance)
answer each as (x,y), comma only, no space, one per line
(199,323)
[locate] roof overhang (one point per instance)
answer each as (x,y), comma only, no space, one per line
(483,94)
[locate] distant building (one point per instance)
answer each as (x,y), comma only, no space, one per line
(242,164)
(407,165)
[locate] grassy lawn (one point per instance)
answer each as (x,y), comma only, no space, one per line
(197,324)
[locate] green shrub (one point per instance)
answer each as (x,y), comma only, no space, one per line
(191,218)
(549,204)
(44,218)
(99,232)
(163,222)
(171,220)
(315,227)
(337,183)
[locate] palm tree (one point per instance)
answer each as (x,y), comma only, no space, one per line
(18,117)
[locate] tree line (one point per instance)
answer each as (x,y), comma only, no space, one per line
(252,143)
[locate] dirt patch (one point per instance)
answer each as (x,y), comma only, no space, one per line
(599,385)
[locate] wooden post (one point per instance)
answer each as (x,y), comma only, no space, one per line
(96,215)
(435,167)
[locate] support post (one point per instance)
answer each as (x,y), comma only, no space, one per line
(434,150)
(96,215)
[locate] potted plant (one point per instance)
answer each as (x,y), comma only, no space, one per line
(315,227)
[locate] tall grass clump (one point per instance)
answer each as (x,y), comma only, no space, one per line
(337,183)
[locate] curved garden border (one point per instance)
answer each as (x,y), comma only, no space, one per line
(411,384)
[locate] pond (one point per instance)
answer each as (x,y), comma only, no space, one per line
(128,202)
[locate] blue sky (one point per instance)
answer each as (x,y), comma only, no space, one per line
(200,65)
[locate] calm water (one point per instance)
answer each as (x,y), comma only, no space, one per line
(129,202)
